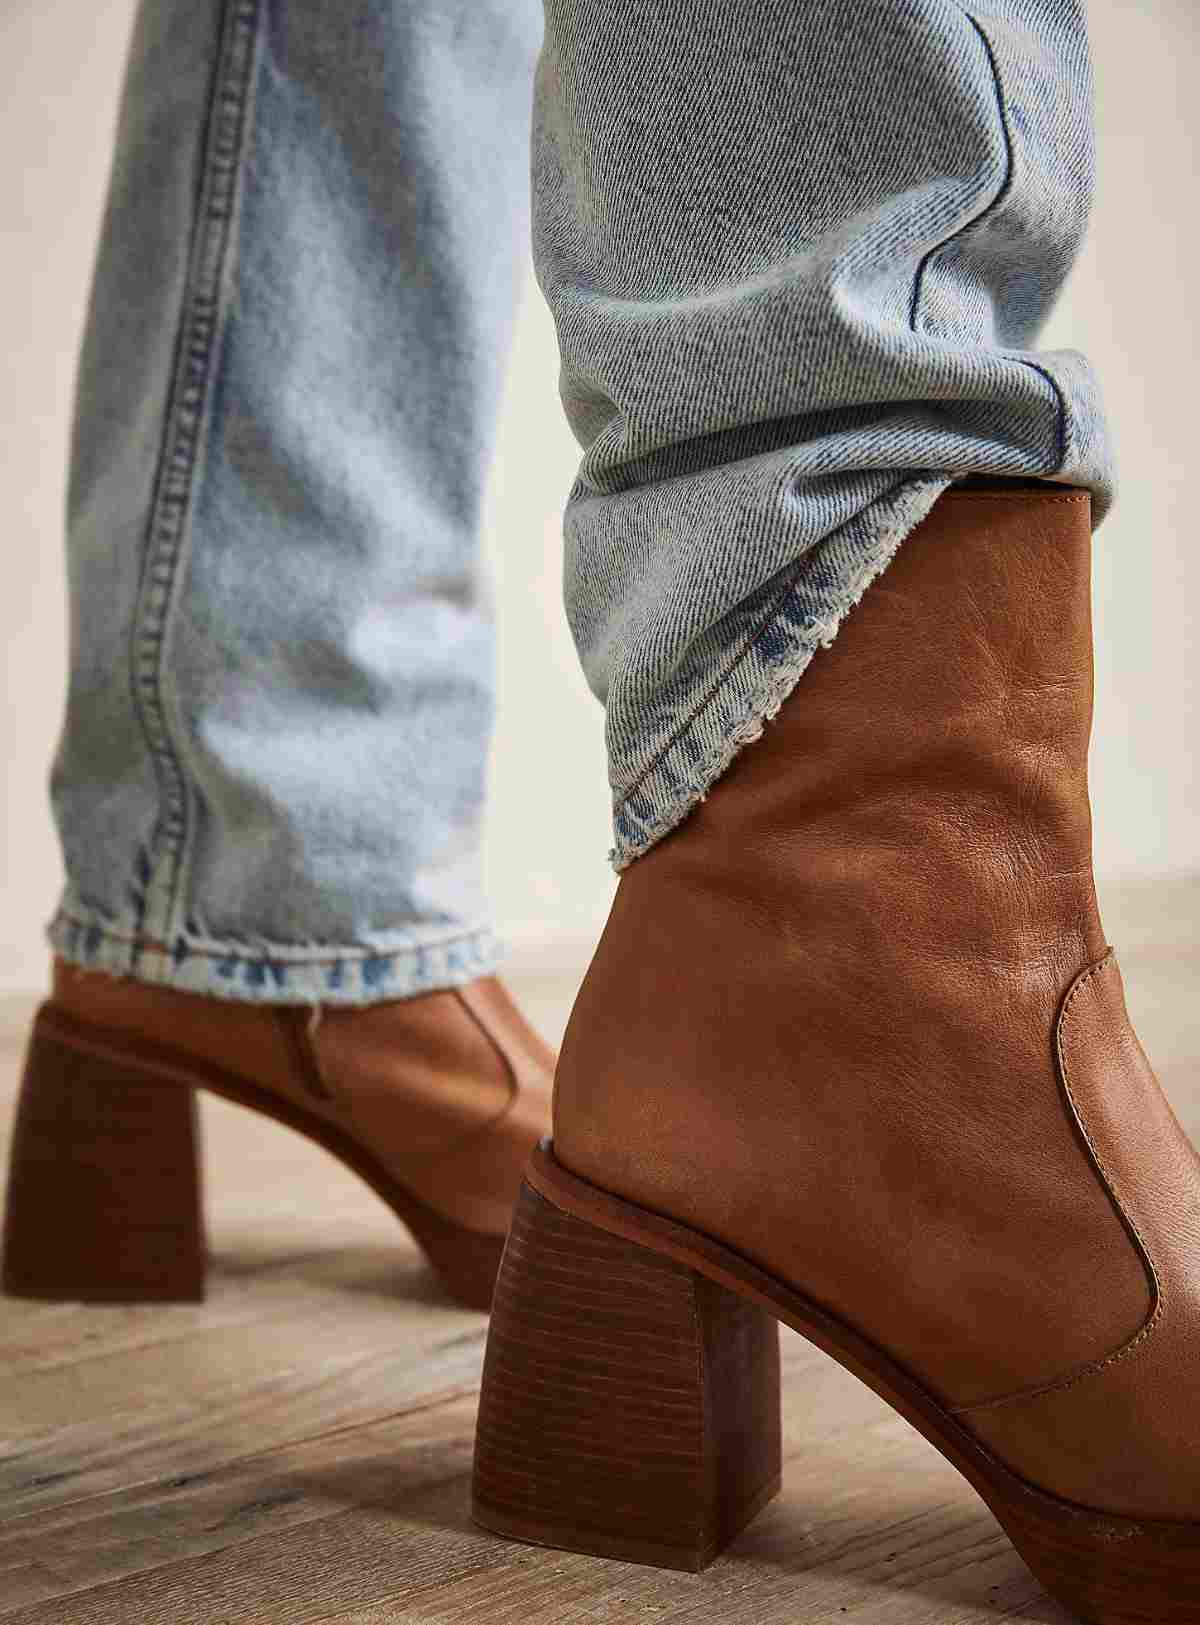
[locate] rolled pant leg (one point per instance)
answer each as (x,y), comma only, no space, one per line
(270,777)
(799,255)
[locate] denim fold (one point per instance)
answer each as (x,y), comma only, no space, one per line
(799,258)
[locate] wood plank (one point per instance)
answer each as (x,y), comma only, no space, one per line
(39,1338)
(872,1523)
(851,1463)
(170,1506)
(185,1406)
(145,1527)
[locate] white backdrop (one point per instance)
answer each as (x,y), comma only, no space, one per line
(1132,305)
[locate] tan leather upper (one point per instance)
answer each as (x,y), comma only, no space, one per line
(449,1090)
(820,1025)
(1124,1433)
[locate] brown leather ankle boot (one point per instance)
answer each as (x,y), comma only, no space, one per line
(435,1101)
(853,1054)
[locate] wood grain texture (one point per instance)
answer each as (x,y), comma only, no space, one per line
(630,1407)
(298,1447)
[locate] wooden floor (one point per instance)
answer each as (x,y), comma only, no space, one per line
(298,1447)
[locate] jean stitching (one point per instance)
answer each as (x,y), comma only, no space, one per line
(199,325)
(276,973)
(993,203)
(702,704)
(739,655)
(1062,435)
(151,945)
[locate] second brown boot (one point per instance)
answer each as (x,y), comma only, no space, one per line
(436,1101)
(853,1054)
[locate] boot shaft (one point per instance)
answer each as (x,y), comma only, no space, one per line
(820,1023)
(928,776)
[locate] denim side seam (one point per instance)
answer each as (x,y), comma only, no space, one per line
(997,202)
(685,769)
(392,967)
(157,883)
(766,668)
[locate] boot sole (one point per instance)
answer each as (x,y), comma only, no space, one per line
(630,1408)
(104,1197)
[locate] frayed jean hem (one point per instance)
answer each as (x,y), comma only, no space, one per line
(393,967)
(730,709)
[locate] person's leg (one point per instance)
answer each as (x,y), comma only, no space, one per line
(852,1052)
(270,779)
(798,256)
(271,774)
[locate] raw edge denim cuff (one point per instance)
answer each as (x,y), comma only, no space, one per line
(730,708)
(392,967)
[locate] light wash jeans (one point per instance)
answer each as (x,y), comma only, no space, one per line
(798,253)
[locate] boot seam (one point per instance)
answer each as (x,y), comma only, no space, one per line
(488,1127)
(958,493)
(298,1036)
(1062,425)
(1158,1295)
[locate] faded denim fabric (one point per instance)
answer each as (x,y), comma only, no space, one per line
(798,256)
(271,776)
